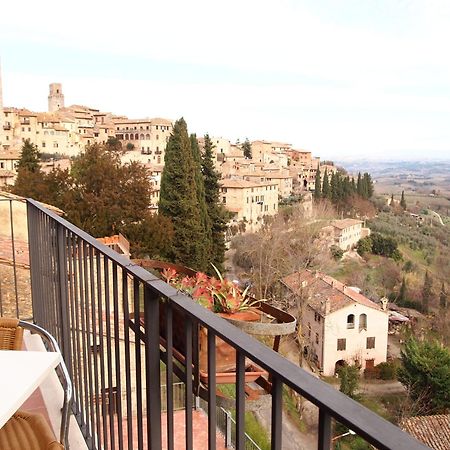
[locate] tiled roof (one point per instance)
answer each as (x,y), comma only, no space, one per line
(323,288)
(433,431)
(345,223)
(228,183)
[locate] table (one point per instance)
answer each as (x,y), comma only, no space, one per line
(21,372)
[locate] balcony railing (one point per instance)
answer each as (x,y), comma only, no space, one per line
(93,300)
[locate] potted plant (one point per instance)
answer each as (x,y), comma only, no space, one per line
(224,298)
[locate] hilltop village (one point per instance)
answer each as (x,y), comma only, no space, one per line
(302,229)
(271,172)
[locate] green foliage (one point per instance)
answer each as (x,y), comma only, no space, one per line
(427,292)
(206,242)
(349,380)
(326,189)
(113,144)
(403,201)
(336,252)
(317,186)
(151,237)
(425,372)
(247,149)
(29,157)
(179,200)
(387,370)
(385,246)
(443,297)
(216,212)
(30,181)
(130,146)
(364,246)
(402,293)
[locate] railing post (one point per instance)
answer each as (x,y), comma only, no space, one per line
(324,430)
(153,377)
(228,425)
(63,297)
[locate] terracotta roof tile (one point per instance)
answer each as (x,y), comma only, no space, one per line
(433,431)
(323,288)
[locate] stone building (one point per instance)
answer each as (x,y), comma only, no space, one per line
(338,324)
(249,201)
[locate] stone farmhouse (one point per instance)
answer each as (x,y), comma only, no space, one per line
(339,325)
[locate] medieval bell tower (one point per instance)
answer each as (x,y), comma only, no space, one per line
(55,97)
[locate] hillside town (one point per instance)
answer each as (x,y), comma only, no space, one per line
(343,330)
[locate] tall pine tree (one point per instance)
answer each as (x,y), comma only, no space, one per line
(203,209)
(427,292)
(403,201)
(216,212)
(443,297)
(30,181)
(326,192)
(179,201)
(318,185)
(247,149)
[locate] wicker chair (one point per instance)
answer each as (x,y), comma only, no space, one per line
(27,431)
(11,334)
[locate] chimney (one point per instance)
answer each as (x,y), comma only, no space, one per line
(384,303)
(327,306)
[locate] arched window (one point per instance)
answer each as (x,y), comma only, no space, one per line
(147,136)
(136,136)
(141,136)
(126,137)
(351,321)
(131,137)
(363,322)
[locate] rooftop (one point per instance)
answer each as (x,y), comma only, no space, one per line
(323,288)
(433,431)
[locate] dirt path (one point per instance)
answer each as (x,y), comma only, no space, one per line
(291,437)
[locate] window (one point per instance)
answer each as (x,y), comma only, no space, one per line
(351,321)
(370,343)
(363,322)
(224,199)
(341,344)
(317,338)
(2,165)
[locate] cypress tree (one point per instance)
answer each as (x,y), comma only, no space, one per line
(359,188)
(403,201)
(179,201)
(427,292)
(443,297)
(204,217)
(30,181)
(326,192)
(402,293)
(247,149)
(29,157)
(216,211)
(334,188)
(353,185)
(318,185)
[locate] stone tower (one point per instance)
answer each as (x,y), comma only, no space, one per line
(55,97)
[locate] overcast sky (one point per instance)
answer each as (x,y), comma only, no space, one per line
(344,79)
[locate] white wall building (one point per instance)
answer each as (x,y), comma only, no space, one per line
(338,325)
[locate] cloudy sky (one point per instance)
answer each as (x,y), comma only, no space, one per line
(345,79)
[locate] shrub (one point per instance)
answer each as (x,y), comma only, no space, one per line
(364,246)
(387,370)
(336,252)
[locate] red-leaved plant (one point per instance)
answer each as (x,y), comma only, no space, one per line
(220,295)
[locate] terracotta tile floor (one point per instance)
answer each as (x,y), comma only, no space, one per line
(199,431)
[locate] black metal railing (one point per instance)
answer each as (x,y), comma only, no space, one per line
(108,314)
